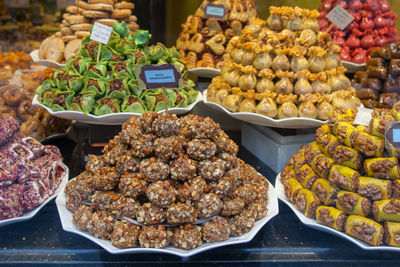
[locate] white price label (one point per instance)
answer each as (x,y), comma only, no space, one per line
(100,33)
(340,17)
(363,116)
(62,4)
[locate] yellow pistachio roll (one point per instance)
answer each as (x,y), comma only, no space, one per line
(287,173)
(292,188)
(343,130)
(364,229)
(367,144)
(322,165)
(306,176)
(392,234)
(321,131)
(307,202)
(379,125)
(331,217)
(347,156)
(352,203)
(328,143)
(387,168)
(344,177)
(396,189)
(311,150)
(326,193)
(375,189)
(386,210)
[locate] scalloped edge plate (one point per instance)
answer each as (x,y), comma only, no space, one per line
(109,119)
(30,214)
(48,63)
(314,224)
(67,224)
(353,67)
(205,72)
(289,123)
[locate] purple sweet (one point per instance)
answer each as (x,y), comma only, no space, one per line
(34,193)
(8,127)
(52,151)
(10,205)
(33,145)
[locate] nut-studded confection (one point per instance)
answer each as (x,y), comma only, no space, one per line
(155,237)
(125,234)
(132,185)
(187,236)
(82,217)
(212,169)
(180,213)
(215,230)
(166,126)
(150,214)
(194,126)
(183,168)
(95,163)
(230,160)
(106,178)
(192,190)
(127,163)
(102,225)
(240,224)
(208,206)
(224,187)
(161,193)
(143,146)
(232,206)
(167,148)
(247,192)
(201,149)
(153,169)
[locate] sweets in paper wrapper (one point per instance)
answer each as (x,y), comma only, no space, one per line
(188,183)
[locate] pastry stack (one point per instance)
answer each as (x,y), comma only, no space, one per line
(77,22)
(349,179)
(282,68)
(203,41)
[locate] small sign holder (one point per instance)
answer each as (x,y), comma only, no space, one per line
(392,136)
(215,11)
(363,116)
(159,76)
(339,17)
(101,34)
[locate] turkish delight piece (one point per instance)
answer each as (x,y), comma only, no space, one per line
(9,126)
(10,205)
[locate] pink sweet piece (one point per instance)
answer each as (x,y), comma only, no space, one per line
(10,205)
(8,127)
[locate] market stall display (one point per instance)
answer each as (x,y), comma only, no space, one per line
(379,86)
(30,173)
(348,179)
(204,37)
(110,85)
(77,23)
(19,79)
(283,68)
(166,181)
(373,26)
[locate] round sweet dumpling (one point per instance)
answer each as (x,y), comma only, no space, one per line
(187,236)
(55,49)
(208,206)
(72,48)
(155,237)
(161,193)
(216,230)
(125,234)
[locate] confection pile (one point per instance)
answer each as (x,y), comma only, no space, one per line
(380,84)
(77,23)
(179,178)
(29,171)
(203,40)
(19,80)
(373,26)
(348,179)
(282,68)
(110,85)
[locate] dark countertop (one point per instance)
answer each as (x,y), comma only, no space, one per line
(283,240)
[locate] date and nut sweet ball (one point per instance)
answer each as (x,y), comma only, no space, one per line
(178,178)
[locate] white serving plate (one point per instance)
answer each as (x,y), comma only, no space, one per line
(29,215)
(109,119)
(68,225)
(205,72)
(280,191)
(48,63)
(289,123)
(353,67)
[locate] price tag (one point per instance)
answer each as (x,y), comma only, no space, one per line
(100,33)
(214,11)
(340,17)
(363,116)
(62,4)
(158,76)
(392,136)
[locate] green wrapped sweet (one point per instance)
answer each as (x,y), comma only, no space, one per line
(83,103)
(59,100)
(181,98)
(154,99)
(119,89)
(107,105)
(78,65)
(141,37)
(157,52)
(133,104)
(98,86)
(75,83)
(97,70)
(120,30)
